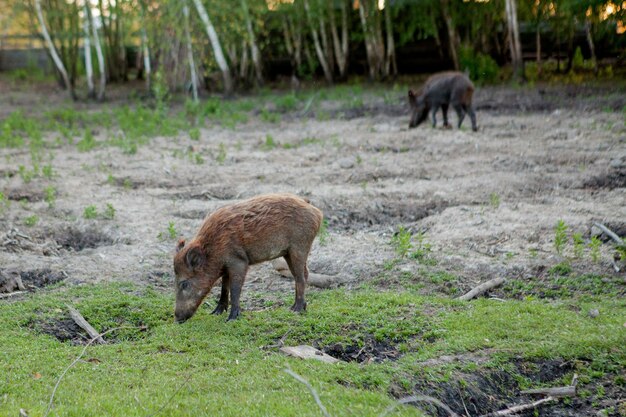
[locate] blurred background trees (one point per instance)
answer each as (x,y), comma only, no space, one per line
(241,44)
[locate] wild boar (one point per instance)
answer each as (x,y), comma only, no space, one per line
(236,236)
(442,90)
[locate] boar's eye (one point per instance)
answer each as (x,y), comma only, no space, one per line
(184,285)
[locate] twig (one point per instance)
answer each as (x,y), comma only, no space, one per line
(308,105)
(462,400)
(171,396)
(609,233)
(84,324)
(56,386)
(12,294)
(422,399)
(482,288)
(556,392)
(519,408)
(311,389)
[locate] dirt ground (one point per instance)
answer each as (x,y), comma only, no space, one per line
(487,202)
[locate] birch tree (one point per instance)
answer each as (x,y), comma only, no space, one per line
(321,55)
(53,52)
(192,65)
(91,93)
(254,48)
(217,47)
(99,54)
(340,43)
(515,45)
(451,31)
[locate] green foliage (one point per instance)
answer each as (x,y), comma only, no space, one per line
(286,103)
(269,143)
(422,249)
(482,68)
(47,171)
(494,200)
(87,143)
(562,268)
(560,236)
(109,212)
(30,221)
(172,233)
(221,154)
(323,234)
(401,242)
(194,133)
(579,245)
(26,175)
(270,117)
(4,203)
(90,212)
(50,195)
(594,245)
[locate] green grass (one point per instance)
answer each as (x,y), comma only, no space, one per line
(206,364)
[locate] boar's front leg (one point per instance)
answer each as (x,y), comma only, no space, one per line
(222,304)
(434,114)
(236,276)
(297,265)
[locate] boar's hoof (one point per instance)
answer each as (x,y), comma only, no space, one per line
(475,129)
(299,307)
(234,313)
(219,309)
(447,126)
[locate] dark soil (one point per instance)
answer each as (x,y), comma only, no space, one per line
(371,351)
(73,238)
(615,178)
(488,390)
(64,330)
(31,279)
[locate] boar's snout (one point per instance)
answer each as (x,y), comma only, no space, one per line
(182,316)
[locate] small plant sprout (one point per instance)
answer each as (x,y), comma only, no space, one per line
(194,133)
(90,212)
(47,171)
(30,221)
(4,202)
(221,154)
(50,196)
(109,212)
(421,248)
(579,245)
(269,143)
(401,242)
(171,230)
(494,200)
(594,245)
(560,236)
(323,233)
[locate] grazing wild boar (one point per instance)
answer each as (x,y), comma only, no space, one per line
(236,236)
(442,90)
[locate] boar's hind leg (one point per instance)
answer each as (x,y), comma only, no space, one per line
(460,112)
(222,304)
(434,115)
(444,110)
(236,276)
(297,266)
(472,116)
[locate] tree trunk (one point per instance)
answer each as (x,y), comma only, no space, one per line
(100,55)
(451,33)
(369,46)
(390,60)
(570,47)
(243,68)
(254,48)
(217,47)
(91,93)
(340,46)
(514,39)
(592,47)
(53,51)
(318,48)
(192,65)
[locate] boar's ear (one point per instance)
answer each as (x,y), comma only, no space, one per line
(180,245)
(194,257)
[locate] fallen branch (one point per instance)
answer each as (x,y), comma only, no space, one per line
(418,399)
(84,324)
(519,408)
(556,392)
(609,233)
(12,294)
(311,389)
(56,386)
(482,288)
